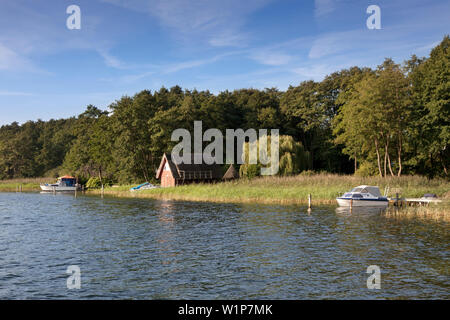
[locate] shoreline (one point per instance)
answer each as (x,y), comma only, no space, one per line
(180,197)
(436,212)
(290,190)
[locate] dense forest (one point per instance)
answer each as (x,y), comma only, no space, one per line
(389,121)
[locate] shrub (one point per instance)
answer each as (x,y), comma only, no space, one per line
(366,169)
(94,183)
(249,170)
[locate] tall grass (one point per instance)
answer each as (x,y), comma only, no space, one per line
(293,189)
(28,184)
(439,212)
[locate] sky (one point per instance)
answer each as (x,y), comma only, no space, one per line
(48,71)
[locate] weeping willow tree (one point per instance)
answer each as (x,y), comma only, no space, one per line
(293,158)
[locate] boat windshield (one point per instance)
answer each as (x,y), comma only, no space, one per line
(360,190)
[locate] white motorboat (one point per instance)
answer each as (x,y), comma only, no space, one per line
(363,196)
(65,183)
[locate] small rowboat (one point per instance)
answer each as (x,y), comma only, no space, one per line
(144,186)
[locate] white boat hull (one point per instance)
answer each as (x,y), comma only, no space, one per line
(362,203)
(57,188)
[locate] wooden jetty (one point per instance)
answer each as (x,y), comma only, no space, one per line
(404,202)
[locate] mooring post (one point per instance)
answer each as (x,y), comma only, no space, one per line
(20,188)
(309,201)
(396,199)
(351,204)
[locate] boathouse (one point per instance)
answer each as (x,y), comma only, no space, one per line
(172,174)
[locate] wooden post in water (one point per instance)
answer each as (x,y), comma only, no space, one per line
(351,204)
(20,188)
(396,200)
(309,201)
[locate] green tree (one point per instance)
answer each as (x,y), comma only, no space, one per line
(431,96)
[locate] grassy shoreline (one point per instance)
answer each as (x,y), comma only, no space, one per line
(286,190)
(27,184)
(439,212)
(266,190)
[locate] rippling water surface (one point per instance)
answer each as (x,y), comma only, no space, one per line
(146,249)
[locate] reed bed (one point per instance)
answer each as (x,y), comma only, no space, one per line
(27,184)
(270,189)
(438,212)
(287,190)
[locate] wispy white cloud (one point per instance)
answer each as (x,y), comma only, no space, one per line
(194,63)
(333,42)
(271,58)
(427,47)
(323,7)
(313,72)
(110,60)
(164,69)
(29,33)
(217,22)
(9,59)
(188,65)
(15,93)
(229,40)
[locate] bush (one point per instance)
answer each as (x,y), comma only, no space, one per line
(366,169)
(94,183)
(249,171)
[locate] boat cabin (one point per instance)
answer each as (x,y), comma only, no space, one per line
(67,181)
(364,191)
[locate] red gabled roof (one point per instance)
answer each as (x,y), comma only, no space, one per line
(172,167)
(67,177)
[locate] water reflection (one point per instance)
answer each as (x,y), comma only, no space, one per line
(346,211)
(166,212)
(166,237)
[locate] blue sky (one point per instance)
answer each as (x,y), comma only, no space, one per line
(124,46)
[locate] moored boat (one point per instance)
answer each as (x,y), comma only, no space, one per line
(65,183)
(363,196)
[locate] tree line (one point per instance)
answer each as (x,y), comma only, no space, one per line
(387,121)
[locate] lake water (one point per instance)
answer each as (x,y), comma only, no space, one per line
(147,249)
